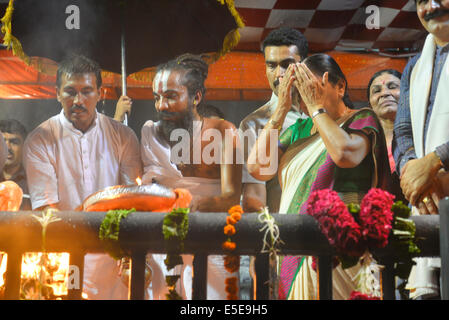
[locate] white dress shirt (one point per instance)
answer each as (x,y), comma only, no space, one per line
(65,166)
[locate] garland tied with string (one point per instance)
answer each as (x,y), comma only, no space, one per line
(231,261)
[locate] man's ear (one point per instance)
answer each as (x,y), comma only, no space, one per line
(197,98)
(57,94)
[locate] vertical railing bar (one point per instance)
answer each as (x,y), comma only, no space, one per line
(325,277)
(76,274)
(444,247)
(13,273)
(388,280)
(136,290)
(199,281)
(262,269)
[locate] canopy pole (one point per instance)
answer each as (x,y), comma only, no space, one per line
(123,56)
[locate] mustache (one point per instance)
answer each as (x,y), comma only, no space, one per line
(167,114)
(436,14)
(77,107)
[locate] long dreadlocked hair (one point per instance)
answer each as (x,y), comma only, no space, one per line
(196,71)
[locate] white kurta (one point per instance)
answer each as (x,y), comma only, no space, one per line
(65,166)
(157,165)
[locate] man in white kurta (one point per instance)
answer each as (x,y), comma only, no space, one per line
(76,153)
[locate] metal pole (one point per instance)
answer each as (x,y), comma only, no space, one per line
(444,247)
(123,56)
(136,289)
(262,266)
(13,272)
(325,277)
(199,282)
(75,288)
(388,280)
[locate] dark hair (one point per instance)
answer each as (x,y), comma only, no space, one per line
(287,37)
(393,72)
(208,110)
(320,63)
(14,127)
(196,71)
(78,64)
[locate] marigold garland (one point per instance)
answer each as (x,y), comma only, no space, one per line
(231,262)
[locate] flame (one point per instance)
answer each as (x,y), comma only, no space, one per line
(41,269)
(139,181)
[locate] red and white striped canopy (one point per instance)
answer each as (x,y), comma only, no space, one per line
(335,24)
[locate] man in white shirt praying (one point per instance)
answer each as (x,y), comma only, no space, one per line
(79,152)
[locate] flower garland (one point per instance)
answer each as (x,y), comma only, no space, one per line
(174,228)
(231,262)
(109,232)
(353,230)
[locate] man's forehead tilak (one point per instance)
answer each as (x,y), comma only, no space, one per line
(161,79)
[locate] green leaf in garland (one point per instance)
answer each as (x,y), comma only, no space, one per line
(172,260)
(174,228)
(109,232)
(401,210)
(173,295)
(171,280)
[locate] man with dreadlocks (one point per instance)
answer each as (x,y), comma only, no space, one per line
(178,152)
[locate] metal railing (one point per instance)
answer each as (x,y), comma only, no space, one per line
(141,232)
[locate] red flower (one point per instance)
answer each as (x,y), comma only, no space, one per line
(376,217)
(336,222)
(355,295)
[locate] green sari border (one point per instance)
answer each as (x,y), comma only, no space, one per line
(296,274)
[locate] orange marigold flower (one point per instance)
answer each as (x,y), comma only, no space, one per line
(229,245)
(229,230)
(236,216)
(231,281)
(236,208)
(232,263)
(230,220)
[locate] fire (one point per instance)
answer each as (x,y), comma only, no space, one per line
(139,181)
(43,277)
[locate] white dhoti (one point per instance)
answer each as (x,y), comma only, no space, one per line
(158,168)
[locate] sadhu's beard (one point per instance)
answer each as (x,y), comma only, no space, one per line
(178,120)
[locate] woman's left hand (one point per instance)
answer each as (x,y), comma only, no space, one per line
(311,88)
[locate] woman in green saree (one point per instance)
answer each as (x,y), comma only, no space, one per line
(339,148)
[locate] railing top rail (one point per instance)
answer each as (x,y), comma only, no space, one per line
(78,231)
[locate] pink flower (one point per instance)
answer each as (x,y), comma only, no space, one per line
(355,295)
(336,222)
(376,217)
